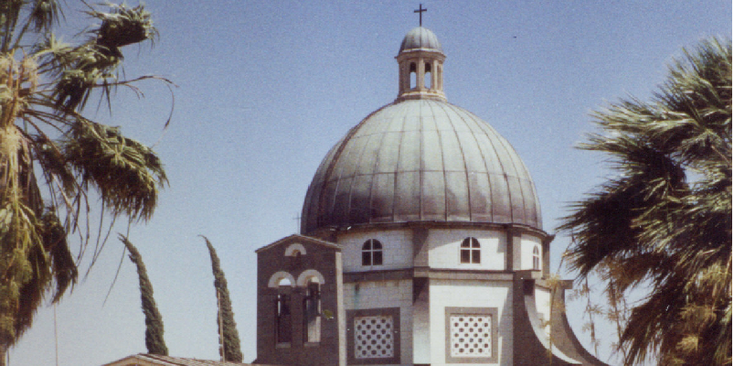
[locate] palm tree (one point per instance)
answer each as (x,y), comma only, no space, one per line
(52,158)
(663,221)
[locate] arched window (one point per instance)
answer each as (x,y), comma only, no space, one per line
(413,76)
(470,251)
(372,253)
(536,258)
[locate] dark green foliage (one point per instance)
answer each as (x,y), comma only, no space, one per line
(154,341)
(225,316)
(664,220)
(53,159)
(127,172)
(120,27)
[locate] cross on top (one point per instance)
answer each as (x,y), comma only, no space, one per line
(420,12)
(298,222)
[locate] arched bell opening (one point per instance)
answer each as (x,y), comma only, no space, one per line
(413,71)
(428,77)
(312,311)
(420,75)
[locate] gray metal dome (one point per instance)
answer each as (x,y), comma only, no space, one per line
(420,161)
(420,38)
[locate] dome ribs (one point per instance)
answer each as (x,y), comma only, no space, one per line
(407,174)
(432,176)
(421,161)
(513,182)
(359,209)
(320,184)
(522,210)
(477,179)
(456,170)
(501,196)
(479,176)
(381,205)
(420,38)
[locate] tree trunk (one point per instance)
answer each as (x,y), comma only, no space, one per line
(3,355)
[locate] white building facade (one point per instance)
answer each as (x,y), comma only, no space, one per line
(422,234)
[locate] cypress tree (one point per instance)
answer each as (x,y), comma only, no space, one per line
(153,320)
(230,345)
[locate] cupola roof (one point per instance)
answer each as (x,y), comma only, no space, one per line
(420,38)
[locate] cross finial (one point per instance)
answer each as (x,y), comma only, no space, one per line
(298,222)
(420,12)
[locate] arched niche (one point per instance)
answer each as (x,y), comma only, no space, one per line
(281,278)
(292,249)
(310,275)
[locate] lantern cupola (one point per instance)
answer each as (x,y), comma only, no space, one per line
(421,66)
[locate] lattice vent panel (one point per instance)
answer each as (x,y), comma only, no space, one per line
(373,337)
(471,335)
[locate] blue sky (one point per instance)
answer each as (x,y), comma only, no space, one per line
(265,88)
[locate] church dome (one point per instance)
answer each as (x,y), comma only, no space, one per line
(420,38)
(420,159)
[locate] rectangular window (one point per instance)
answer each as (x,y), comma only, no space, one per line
(536,258)
(470,256)
(366,258)
(312,313)
(283,319)
(475,256)
(377,258)
(466,256)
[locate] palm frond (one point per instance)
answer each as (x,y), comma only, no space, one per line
(44,85)
(44,14)
(126,173)
(666,217)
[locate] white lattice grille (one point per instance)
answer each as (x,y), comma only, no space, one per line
(471,335)
(373,337)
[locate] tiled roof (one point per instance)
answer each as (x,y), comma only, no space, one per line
(158,360)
